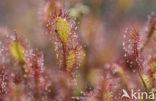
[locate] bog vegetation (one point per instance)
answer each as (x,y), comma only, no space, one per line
(89,68)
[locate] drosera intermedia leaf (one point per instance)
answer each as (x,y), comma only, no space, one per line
(147,80)
(107,96)
(16,51)
(71,59)
(62,29)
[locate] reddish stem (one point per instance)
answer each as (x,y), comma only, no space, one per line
(139,66)
(64,57)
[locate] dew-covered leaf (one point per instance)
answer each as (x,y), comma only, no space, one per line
(17,50)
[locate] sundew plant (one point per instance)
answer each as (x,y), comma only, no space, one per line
(71,51)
